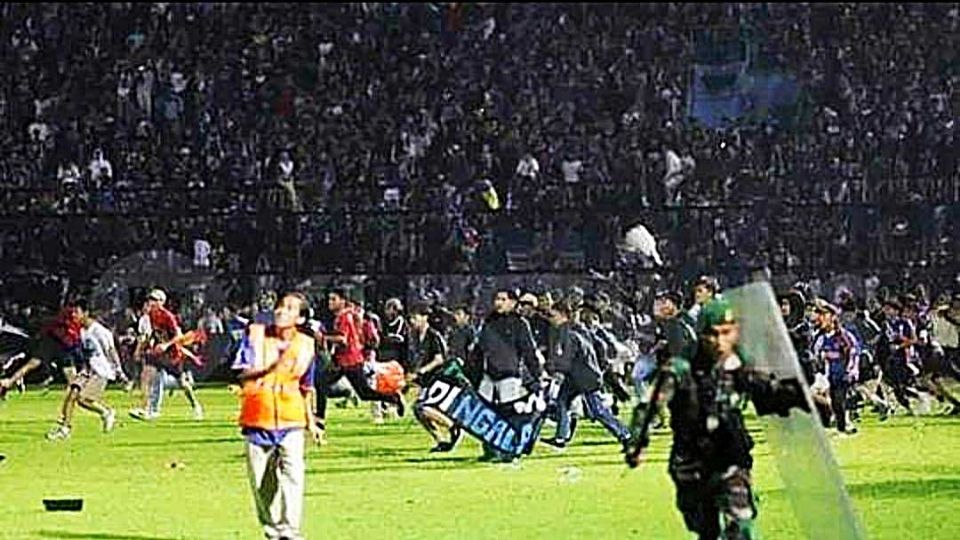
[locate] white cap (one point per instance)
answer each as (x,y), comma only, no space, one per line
(158,295)
(529,298)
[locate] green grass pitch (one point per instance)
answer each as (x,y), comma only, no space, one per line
(380,482)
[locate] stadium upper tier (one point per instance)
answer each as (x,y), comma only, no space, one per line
(492,136)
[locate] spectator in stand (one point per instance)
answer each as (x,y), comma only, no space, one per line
(325,83)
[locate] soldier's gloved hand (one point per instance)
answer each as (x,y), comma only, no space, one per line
(791,395)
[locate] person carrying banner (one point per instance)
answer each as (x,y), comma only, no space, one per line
(460,342)
(710,461)
(427,355)
(511,363)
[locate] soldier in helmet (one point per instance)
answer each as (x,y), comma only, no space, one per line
(710,461)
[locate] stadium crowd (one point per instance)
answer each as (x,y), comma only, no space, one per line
(439,137)
(888,349)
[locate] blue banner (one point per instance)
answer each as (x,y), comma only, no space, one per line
(513,434)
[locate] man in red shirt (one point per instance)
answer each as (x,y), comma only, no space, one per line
(348,358)
(162,351)
(56,345)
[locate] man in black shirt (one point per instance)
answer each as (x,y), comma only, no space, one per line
(573,365)
(427,354)
(393,344)
(506,350)
(460,341)
(527,307)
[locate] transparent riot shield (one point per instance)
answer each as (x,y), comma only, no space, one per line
(192,291)
(813,482)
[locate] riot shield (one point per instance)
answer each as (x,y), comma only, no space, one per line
(813,482)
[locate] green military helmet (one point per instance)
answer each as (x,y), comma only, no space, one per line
(716,312)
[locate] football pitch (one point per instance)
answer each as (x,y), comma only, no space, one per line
(177,478)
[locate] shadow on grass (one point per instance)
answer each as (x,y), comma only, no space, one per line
(13,422)
(935,488)
(166,443)
(193,424)
(595,461)
(100,536)
(409,464)
(364,433)
(598,442)
(374,452)
(919,469)
(916,422)
(452,460)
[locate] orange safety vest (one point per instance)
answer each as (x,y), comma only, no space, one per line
(274,401)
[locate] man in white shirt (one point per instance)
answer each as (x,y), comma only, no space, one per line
(286,181)
(69,175)
(100,169)
(674,176)
(571,169)
(945,322)
(528,167)
(87,388)
(945,344)
(201,253)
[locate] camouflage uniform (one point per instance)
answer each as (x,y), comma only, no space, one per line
(710,459)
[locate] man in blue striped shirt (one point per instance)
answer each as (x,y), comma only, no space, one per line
(838,350)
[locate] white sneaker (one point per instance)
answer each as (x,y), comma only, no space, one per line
(198,413)
(109,420)
(59,433)
(392,412)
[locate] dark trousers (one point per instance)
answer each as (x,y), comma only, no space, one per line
(950,363)
(357,380)
(898,376)
(595,409)
(616,386)
(838,400)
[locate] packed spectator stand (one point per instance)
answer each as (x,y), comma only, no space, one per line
(365,138)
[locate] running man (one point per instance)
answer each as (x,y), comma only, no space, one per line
(161,347)
(101,365)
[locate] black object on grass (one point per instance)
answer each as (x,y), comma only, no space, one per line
(63,505)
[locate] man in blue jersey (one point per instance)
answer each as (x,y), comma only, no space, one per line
(838,350)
